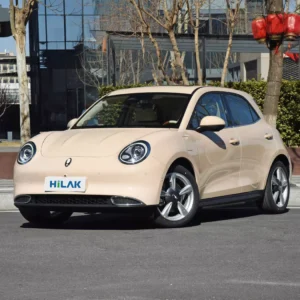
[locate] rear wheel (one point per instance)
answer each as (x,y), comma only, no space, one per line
(42,217)
(277,190)
(179,199)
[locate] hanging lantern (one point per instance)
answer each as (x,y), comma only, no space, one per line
(291,26)
(259,29)
(275,26)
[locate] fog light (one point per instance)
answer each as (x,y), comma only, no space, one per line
(23,200)
(123,201)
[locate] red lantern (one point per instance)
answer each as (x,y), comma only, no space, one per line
(291,26)
(259,29)
(275,26)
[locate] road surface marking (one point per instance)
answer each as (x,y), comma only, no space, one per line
(271,283)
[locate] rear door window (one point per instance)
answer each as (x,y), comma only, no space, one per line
(242,113)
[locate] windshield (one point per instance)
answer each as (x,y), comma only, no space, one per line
(136,110)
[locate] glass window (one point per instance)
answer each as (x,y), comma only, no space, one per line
(5,68)
(11,67)
(54,7)
(41,7)
(89,7)
(241,111)
(5,81)
(74,28)
(11,80)
(209,105)
(73,7)
(43,45)
(151,110)
(55,28)
(42,28)
(56,45)
(91,27)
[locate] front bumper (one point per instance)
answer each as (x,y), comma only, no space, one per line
(106,178)
(81,203)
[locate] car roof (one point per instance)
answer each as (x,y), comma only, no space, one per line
(157,89)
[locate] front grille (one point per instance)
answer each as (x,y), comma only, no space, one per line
(71,200)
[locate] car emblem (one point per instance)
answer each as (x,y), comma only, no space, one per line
(68,162)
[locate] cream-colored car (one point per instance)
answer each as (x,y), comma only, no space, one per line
(161,150)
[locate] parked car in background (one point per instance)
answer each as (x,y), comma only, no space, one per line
(165,151)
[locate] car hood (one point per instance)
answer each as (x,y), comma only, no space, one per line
(92,142)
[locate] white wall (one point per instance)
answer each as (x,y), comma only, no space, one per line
(262,64)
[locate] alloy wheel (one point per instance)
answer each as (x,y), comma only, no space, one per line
(280,187)
(177,197)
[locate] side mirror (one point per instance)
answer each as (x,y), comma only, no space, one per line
(211,123)
(72,123)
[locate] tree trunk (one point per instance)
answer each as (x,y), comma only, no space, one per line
(23,84)
(273,86)
(132,66)
(226,61)
(197,54)
(177,55)
(275,72)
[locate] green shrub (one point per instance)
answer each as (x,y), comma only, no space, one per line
(288,120)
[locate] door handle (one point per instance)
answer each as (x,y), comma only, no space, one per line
(234,142)
(268,136)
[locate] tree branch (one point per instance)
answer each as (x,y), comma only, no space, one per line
(154,18)
(12,17)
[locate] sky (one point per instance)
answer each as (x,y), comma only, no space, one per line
(8,44)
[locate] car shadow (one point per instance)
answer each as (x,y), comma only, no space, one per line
(130,222)
(215,138)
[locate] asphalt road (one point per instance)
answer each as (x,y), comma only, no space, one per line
(227,254)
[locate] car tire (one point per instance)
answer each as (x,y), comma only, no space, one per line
(42,217)
(277,191)
(178,206)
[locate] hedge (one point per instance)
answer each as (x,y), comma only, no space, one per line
(288,120)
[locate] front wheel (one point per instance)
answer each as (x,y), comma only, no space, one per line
(179,199)
(42,217)
(277,190)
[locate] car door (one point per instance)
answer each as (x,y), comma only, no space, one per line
(256,140)
(219,153)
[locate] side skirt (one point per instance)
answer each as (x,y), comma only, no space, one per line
(237,198)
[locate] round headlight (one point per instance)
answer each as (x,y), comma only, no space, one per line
(26,153)
(135,153)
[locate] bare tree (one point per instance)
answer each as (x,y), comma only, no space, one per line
(4,101)
(19,17)
(233,10)
(196,4)
(165,15)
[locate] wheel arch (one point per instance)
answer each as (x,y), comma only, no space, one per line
(285,160)
(183,161)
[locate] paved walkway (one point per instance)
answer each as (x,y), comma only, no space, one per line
(9,149)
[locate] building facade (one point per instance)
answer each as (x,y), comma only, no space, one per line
(9,85)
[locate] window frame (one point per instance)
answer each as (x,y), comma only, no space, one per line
(227,114)
(230,112)
(189,97)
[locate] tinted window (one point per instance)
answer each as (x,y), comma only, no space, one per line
(209,105)
(137,110)
(241,111)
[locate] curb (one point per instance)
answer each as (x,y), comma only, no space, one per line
(7,201)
